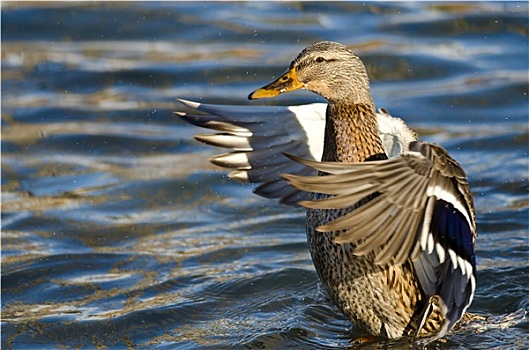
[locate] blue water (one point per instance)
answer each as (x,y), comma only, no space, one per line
(118,233)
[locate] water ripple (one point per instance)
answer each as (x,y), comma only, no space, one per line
(117,232)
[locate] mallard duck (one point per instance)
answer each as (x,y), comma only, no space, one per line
(390,219)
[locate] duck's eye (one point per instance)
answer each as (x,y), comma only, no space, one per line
(320,59)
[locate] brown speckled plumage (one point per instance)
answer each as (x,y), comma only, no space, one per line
(351,133)
(354,282)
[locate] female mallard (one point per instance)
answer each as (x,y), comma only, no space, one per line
(392,239)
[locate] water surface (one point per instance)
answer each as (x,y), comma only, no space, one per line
(116,232)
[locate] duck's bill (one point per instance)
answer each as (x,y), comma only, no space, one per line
(285,83)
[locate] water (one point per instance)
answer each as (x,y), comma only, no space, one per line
(116,232)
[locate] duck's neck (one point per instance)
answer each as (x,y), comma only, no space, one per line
(351,134)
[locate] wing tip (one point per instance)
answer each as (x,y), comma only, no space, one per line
(240,176)
(188,103)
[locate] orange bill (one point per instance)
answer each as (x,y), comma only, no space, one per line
(285,83)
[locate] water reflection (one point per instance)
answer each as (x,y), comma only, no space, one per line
(117,232)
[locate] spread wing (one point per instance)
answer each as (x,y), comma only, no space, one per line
(423,211)
(258,137)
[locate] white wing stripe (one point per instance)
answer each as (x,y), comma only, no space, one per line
(427,221)
(462,265)
(441,193)
(453,257)
(312,119)
(430,243)
(441,252)
(465,266)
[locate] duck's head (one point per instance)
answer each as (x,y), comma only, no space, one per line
(326,68)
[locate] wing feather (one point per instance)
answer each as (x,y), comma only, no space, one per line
(258,135)
(421,210)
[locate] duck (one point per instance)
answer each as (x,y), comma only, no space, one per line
(390,219)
